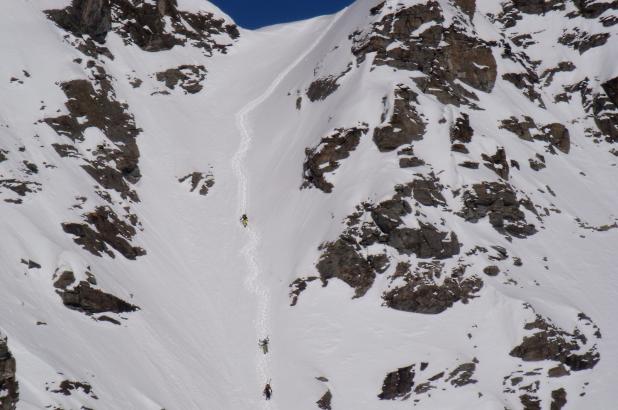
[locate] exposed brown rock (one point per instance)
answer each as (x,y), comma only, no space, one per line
(558,371)
(325,401)
(462,131)
(187,77)
(445,54)
(467,6)
(538,6)
(582,41)
(521,128)
(563,66)
(530,402)
(341,259)
(103,228)
(89,300)
(321,88)
(299,286)
(405,124)
(65,279)
(21,188)
(398,384)
(611,89)
(427,297)
(203,181)
(555,134)
(67,387)
(91,17)
(593,9)
(327,155)
(500,203)
(427,191)
(8,382)
(462,375)
(552,343)
(115,166)
(497,163)
(559,399)
(527,82)
(492,270)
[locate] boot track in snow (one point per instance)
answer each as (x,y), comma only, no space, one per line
(249,251)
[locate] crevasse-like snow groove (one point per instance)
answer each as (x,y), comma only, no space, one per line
(250,250)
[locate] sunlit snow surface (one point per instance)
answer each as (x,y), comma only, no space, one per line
(208,289)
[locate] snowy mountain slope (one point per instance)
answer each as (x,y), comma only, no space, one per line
(445,169)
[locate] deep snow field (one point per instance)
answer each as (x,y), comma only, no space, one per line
(207,289)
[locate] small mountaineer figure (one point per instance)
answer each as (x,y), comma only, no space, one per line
(244,220)
(264,345)
(268,391)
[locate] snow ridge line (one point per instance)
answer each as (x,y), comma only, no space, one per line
(249,251)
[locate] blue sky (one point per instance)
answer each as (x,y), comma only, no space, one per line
(256,13)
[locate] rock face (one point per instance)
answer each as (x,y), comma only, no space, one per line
(405,124)
(91,17)
(555,134)
(187,77)
(326,156)
(444,54)
(86,298)
(349,259)
(144,24)
(341,260)
(500,203)
(115,165)
(611,89)
(552,343)
(9,389)
(419,379)
(102,230)
(322,87)
(422,295)
(325,401)
(397,384)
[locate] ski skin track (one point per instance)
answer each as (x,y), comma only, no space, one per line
(249,251)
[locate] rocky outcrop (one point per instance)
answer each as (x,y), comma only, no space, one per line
(548,342)
(583,41)
(327,155)
(91,17)
(443,54)
(419,379)
(104,229)
(611,89)
(499,202)
(555,134)
(405,125)
(325,402)
(89,300)
(461,131)
(559,399)
(84,297)
(497,163)
(67,387)
(202,180)
(398,384)
(153,26)
(348,259)
(424,292)
(113,165)
(9,389)
(187,77)
(341,259)
(322,87)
